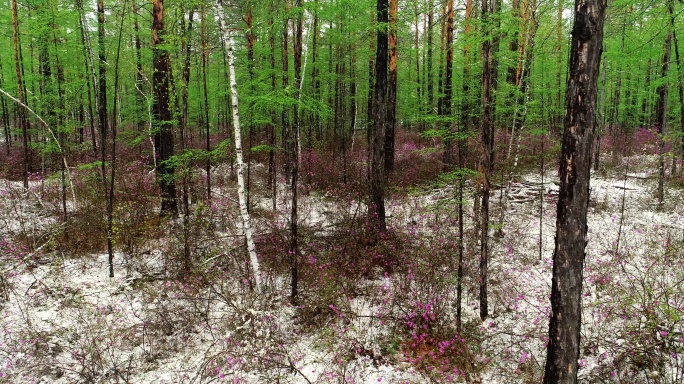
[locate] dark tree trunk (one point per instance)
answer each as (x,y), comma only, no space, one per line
(680,89)
(391,124)
(466,103)
(487,163)
(428,65)
(293,248)
(272,138)
(21,113)
(661,105)
(161,111)
(377,176)
(5,116)
(573,200)
(139,77)
(185,198)
(89,71)
(205,92)
(370,108)
(445,101)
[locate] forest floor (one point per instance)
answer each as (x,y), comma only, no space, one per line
(64,320)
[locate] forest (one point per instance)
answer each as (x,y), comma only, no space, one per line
(336,191)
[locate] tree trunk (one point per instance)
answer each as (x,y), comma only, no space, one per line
(428,65)
(272,138)
(377,187)
(680,89)
(110,192)
(293,248)
(246,218)
(205,92)
(661,105)
(487,163)
(20,91)
(445,101)
(573,200)
(391,124)
(163,120)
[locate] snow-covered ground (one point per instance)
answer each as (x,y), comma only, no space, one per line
(65,321)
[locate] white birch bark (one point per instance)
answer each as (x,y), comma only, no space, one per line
(246,218)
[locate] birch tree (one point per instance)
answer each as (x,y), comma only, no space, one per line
(242,198)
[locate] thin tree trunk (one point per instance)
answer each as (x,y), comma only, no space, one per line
(445,101)
(90,71)
(416,47)
(110,193)
(205,92)
(251,38)
(20,91)
(185,199)
(377,187)
(272,137)
(428,75)
(5,116)
(391,123)
(293,248)
(246,218)
(370,108)
(488,88)
(680,89)
(571,222)
(661,105)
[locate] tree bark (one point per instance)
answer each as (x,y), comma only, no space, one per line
(377,201)
(573,200)
(205,93)
(445,100)
(246,218)
(293,248)
(20,91)
(661,104)
(391,124)
(487,163)
(163,120)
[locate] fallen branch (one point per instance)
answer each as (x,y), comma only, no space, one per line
(52,133)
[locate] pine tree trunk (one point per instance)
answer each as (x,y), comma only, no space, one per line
(571,222)
(161,110)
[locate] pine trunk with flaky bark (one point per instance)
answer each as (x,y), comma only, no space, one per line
(571,222)
(161,111)
(246,218)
